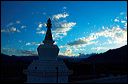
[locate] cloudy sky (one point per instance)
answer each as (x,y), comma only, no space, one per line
(77,27)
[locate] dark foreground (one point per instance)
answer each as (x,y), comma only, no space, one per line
(108,67)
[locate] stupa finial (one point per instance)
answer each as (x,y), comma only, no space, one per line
(48,38)
(49,23)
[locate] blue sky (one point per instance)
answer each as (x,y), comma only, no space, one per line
(77,26)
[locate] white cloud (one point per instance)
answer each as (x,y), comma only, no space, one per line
(123,21)
(3,30)
(64,7)
(58,16)
(41,25)
(103,27)
(28,44)
(23,26)
(109,41)
(12,51)
(32,43)
(55,42)
(122,13)
(10,24)
(12,29)
(67,52)
(116,20)
(117,35)
(100,48)
(82,42)
(65,27)
(61,46)
(41,32)
(18,22)
(62,29)
(70,50)
(68,25)
(125,25)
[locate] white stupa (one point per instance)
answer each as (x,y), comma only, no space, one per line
(47,69)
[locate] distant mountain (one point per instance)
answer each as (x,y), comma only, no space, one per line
(6,58)
(118,55)
(114,55)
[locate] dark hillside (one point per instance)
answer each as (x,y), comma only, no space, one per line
(112,62)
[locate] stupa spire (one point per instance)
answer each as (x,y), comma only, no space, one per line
(48,38)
